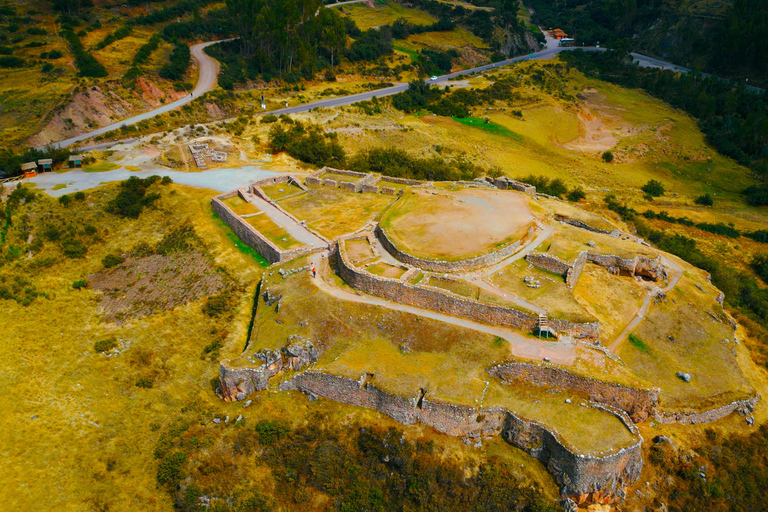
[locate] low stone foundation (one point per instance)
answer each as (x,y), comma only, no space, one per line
(692,418)
(505,183)
(652,268)
(575,473)
(637,403)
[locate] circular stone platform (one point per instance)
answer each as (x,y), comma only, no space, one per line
(453,226)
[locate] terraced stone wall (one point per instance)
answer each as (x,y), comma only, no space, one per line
(575,473)
(438,299)
(244,231)
(637,403)
(549,263)
(447,266)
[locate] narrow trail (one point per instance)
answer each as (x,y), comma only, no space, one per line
(676,272)
(559,352)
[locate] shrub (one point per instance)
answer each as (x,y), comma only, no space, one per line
(133,197)
(760,265)
(270,431)
(217,305)
(73,248)
(180,58)
(52,55)
(166,180)
(89,230)
(65,200)
(757,195)
(80,284)
(11,62)
(608,157)
(37,31)
(576,195)
(653,188)
(269,118)
(110,260)
(144,382)
(51,233)
(170,471)
(544,185)
(47,67)
(79,196)
(104,346)
(705,200)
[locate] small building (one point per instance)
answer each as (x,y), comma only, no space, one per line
(29,169)
(45,164)
(558,34)
(75,161)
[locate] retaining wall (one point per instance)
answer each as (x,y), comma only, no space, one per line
(575,473)
(691,418)
(582,225)
(549,263)
(637,403)
(438,299)
(651,268)
(447,266)
(504,183)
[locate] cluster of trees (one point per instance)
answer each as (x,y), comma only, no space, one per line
(134,196)
(371,468)
(10,161)
(554,187)
(120,33)
(400,164)
(307,142)
(86,63)
(141,57)
(179,62)
(734,119)
(732,45)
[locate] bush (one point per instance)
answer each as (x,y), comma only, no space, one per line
(133,197)
(269,118)
(110,260)
(53,54)
(73,248)
(86,64)
(760,265)
(608,157)
(79,196)
(37,31)
(653,188)
(757,195)
(180,58)
(65,200)
(47,67)
(217,305)
(104,346)
(705,200)
(11,62)
(170,471)
(79,285)
(576,195)
(144,382)
(551,187)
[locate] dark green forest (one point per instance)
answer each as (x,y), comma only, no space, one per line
(731,44)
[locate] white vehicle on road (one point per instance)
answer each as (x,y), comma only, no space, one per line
(433,78)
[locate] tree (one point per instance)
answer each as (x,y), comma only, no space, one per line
(653,188)
(705,200)
(608,157)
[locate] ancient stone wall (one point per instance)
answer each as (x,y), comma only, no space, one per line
(348,185)
(692,418)
(637,403)
(330,183)
(447,266)
(549,263)
(575,473)
(245,231)
(582,225)
(505,183)
(311,180)
(639,265)
(404,181)
(573,274)
(438,299)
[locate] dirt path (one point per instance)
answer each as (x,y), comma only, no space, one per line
(560,352)
(676,272)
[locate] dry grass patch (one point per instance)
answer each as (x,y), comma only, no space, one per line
(365,17)
(240,206)
(280,191)
(358,250)
(384,269)
(456,225)
(274,233)
(334,212)
(567,242)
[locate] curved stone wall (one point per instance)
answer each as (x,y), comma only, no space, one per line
(691,418)
(638,403)
(485,260)
(438,299)
(575,473)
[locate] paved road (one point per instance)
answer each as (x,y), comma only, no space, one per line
(560,352)
(208,71)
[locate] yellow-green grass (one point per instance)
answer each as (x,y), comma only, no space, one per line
(454,225)
(582,429)
(273,232)
(554,295)
(365,17)
(333,212)
(240,206)
(55,383)
(100,167)
(488,127)
(280,191)
(567,242)
(571,211)
(339,177)
(613,300)
(458,287)
(59,186)
(445,40)
(700,346)
(384,183)
(384,269)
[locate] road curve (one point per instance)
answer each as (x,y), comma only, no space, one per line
(208,71)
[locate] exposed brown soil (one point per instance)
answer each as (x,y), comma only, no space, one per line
(142,286)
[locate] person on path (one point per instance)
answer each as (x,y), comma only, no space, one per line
(312,268)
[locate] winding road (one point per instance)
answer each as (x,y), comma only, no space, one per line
(209,69)
(206,81)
